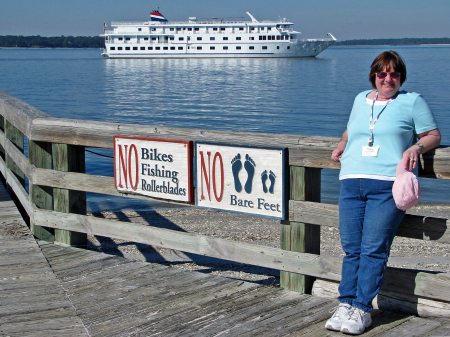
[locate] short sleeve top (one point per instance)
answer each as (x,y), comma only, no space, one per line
(396,130)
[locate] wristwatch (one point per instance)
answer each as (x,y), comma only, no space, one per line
(421,147)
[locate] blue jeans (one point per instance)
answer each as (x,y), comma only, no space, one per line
(368,221)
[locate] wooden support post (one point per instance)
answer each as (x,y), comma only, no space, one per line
(16,137)
(40,155)
(300,237)
(69,158)
(2,127)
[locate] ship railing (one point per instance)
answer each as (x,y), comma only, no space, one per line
(55,202)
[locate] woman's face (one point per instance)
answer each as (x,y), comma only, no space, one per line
(388,86)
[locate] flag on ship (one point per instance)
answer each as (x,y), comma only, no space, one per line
(157,16)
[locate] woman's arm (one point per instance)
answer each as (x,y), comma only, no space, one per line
(339,150)
(429,140)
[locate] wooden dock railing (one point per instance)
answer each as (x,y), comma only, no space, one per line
(56,202)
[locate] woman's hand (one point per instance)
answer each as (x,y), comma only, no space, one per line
(429,140)
(339,150)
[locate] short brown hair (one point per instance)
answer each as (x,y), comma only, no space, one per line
(387,59)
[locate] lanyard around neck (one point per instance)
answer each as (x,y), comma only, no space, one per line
(372,126)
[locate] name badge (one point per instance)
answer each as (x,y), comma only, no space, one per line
(370,151)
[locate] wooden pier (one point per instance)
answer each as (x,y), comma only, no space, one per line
(49,287)
(54,290)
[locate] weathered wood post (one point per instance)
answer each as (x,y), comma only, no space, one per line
(304,185)
(69,158)
(40,155)
(16,137)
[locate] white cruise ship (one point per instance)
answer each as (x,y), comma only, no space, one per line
(215,37)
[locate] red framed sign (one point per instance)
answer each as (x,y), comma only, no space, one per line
(155,168)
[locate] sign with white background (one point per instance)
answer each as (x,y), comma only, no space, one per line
(159,169)
(241,179)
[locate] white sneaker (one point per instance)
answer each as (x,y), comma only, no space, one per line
(341,314)
(357,322)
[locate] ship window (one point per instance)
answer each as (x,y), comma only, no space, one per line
(139,29)
(127,48)
(166,48)
(260,37)
(119,48)
(222,29)
(251,47)
(196,29)
(190,29)
(180,48)
(238,47)
(172,38)
(172,29)
(153,29)
(264,47)
(252,28)
(142,48)
(112,48)
(178,29)
(278,47)
(288,47)
(212,48)
(135,48)
(199,38)
(180,38)
(238,38)
(212,38)
(199,48)
(154,38)
(251,38)
(225,38)
(145,38)
(128,39)
(172,48)
(149,48)
(120,38)
(241,28)
(225,47)
(278,37)
(215,29)
(273,37)
(157,48)
(264,37)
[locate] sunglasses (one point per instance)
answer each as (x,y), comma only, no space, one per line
(394,74)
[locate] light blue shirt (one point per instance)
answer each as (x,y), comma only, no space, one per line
(396,130)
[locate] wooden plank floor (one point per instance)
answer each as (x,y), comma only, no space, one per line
(51,290)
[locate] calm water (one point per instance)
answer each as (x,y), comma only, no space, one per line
(311,96)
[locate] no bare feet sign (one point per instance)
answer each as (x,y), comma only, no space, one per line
(240,179)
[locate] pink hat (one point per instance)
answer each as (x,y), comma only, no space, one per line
(406,188)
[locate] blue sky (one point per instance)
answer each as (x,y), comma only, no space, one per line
(345,19)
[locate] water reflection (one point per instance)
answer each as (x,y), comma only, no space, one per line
(266,95)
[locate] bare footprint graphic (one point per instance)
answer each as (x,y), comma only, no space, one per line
(236,166)
(264,179)
(272,177)
(249,166)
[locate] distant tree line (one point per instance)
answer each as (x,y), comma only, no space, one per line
(98,42)
(398,42)
(52,42)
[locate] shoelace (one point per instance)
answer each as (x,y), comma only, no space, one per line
(355,314)
(338,311)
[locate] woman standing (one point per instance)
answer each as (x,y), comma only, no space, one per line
(383,128)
